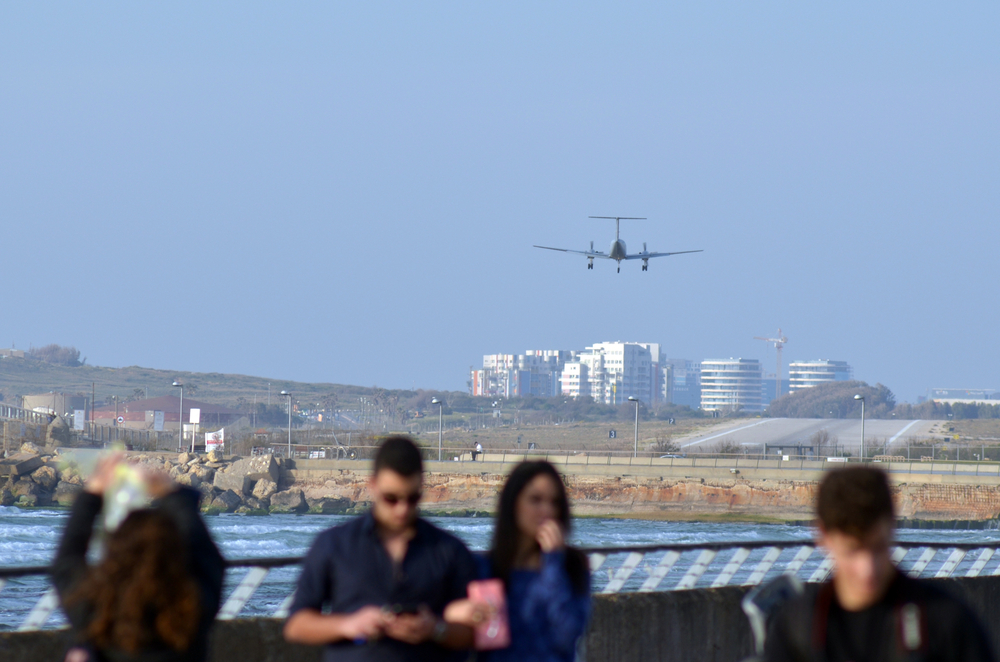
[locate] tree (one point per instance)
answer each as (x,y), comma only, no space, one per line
(57,355)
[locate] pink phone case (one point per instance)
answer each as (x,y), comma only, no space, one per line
(494,633)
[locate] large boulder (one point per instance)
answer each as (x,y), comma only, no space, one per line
(21,464)
(26,487)
(214,457)
(176,471)
(202,472)
(45,476)
(58,433)
(257,468)
(226,480)
(71,475)
(184,458)
(188,479)
(66,493)
(330,505)
(27,501)
(289,501)
(6,497)
(31,448)
(257,504)
(264,488)
(227,502)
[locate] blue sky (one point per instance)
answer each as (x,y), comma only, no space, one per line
(350,192)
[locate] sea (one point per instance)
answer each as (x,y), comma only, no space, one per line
(29,538)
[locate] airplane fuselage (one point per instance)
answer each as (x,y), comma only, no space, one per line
(618,250)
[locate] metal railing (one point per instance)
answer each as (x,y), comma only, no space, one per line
(10,412)
(259,591)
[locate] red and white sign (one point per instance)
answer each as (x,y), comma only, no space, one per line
(215,441)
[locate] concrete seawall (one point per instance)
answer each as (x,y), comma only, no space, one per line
(704,625)
(671,491)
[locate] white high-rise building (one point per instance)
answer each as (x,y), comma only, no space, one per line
(806,374)
(731,385)
(610,372)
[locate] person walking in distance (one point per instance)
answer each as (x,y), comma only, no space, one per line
(375,588)
(546,582)
(869,611)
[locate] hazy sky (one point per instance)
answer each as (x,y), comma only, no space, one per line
(349,192)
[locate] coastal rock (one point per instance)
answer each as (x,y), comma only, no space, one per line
(26,487)
(264,488)
(289,501)
(184,458)
(256,468)
(66,493)
(227,501)
(6,497)
(188,479)
(207,492)
(238,483)
(330,506)
(27,501)
(58,433)
(176,471)
(71,475)
(257,504)
(214,456)
(202,472)
(45,476)
(31,448)
(22,464)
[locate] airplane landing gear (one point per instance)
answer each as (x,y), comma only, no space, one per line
(645,265)
(590,264)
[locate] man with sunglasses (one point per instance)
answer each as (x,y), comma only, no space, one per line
(375,587)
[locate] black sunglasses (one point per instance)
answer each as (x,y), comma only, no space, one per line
(410,499)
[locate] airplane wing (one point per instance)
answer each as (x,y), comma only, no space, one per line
(644,256)
(587,253)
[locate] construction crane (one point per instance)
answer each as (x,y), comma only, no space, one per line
(779,342)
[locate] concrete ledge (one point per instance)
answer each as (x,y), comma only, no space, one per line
(673,626)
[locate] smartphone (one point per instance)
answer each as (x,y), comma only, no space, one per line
(495,632)
(399,609)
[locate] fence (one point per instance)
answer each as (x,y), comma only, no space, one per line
(264,586)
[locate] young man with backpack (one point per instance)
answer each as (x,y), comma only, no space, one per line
(869,611)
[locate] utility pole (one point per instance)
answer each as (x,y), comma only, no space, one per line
(779,342)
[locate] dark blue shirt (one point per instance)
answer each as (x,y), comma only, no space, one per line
(547,617)
(348,568)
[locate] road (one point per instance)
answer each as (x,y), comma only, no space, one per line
(794,431)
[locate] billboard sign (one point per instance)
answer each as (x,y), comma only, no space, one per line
(195,415)
(215,441)
(158,421)
(79,418)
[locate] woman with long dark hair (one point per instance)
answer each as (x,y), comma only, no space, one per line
(156,590)
(546,582)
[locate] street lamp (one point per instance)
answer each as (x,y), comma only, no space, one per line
(180,419)
(289,396)
(862,399)
(635,451)
(440,405)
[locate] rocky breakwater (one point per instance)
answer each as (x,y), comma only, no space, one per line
(35,477)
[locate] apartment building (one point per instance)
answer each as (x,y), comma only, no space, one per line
(806,374)
(731,385)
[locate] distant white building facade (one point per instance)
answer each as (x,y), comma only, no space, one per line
(609,372)
(807,374)
(731,385)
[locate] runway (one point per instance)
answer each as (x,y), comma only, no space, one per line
(795,431)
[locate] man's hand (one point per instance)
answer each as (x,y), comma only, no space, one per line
(366,623)
(468,612)
(550,537)
(410,628)
(103,473)
(309,626)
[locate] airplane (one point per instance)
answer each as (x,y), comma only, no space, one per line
(618,251)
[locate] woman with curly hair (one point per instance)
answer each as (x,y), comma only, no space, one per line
(155,593)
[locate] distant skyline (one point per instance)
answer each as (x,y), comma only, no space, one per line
(350,193)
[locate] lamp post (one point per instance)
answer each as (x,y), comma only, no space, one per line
(180,420)
(862,399)
(440,405)
(289,396)
(635,450)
